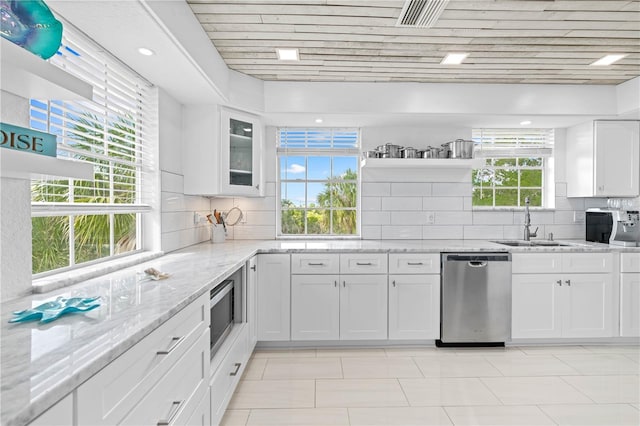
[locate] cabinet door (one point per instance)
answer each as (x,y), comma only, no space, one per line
(535,306)
(201,414)
(363,307)
(630,305)
(414,307)
(617,158)
(587,305)
(240,154)
(252,301)
(274,297)
(587,262)
(315,307)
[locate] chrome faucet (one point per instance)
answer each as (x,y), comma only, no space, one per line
(527,222)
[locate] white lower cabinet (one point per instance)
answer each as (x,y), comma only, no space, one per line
(630,294)
(274,297)
(562,305)
(201,414)
(315,307)
(60,414)
(414,307)
(363,307)
(351,305)
(227,375)
(155,379)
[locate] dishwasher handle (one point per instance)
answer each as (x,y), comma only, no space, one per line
(475,258)
(477,264)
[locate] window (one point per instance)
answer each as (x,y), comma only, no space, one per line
(517,166)
(77,221)
(318,182)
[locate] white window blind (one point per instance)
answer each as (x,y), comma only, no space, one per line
(114,132)
(506,143)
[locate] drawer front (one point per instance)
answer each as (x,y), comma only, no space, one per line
(363,263)
(527,263)
(587,262)
(414,263)
(315,263)
(179,391)
(629,262)
(110,394)
(227,376)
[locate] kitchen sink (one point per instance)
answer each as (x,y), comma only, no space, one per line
(522,243)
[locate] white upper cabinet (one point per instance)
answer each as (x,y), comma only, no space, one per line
(223,152)
(603,159)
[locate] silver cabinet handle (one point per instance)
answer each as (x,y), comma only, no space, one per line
(559,283)
(335,283)
(316,264)
(237,365)
(253,268)
(175,407)
(394,283)
(364,263)
(344,283)
(415,263)
(476,264)
(568,282)
(175,341)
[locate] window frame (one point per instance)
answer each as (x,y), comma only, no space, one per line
(309,152)
(124,110)
(519,148)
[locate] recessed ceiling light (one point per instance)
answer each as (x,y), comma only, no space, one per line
(607,60)
(287,54)
(525,122)
(318,120)
(454,58)
(146,52)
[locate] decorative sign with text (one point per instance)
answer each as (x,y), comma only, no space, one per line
(27,140)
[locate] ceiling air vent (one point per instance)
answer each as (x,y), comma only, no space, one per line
(421,13)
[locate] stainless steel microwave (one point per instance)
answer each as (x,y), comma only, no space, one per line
(598,225)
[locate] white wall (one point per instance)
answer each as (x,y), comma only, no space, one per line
(15,213)
(178,229)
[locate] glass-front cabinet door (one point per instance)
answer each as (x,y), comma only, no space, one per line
(240,154)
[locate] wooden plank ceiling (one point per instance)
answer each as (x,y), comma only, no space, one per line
(508,41)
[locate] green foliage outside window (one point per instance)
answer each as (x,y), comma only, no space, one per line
(506,182)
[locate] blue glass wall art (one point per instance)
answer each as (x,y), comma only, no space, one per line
(31,25)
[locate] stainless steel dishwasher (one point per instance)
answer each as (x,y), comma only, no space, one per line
(476,299)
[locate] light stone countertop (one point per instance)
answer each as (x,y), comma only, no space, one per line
(40,364)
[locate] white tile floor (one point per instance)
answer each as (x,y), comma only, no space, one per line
(536,385)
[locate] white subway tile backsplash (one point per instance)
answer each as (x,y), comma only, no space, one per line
(567,232)
(260,217)
(376,218)
(372,189)
(467,203)
(270,189)
(222,204)
(437,232)
(492,218)
(442,203)
(370,203)
(564,217)
(537,217)
(401,203)
(563,203)
(408,218)
(410,189)
(257,232)
(595,203)
(452,189)
(513,232)
(483,232)
(400,232)
(172,202)
(371,232)
(261,204)
(453,218)
(561,189)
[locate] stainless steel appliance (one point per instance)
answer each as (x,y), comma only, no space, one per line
(626,228)
(598,225)
(224,312)
(476,299)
